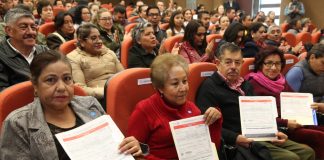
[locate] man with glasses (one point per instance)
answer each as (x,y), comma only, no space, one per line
(154,17)
(222,90)
(18,50)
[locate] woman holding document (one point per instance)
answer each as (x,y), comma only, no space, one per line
(267,80)
(29,132)
(149,122)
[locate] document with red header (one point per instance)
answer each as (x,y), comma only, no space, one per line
(297,106)
(98,139)
(258,117)
(192,139)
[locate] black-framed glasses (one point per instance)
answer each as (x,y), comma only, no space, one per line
(270,64)
(153,14)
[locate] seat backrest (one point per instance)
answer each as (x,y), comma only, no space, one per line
(290,38)
(216,37)
(124,91)
(132,19)
(170,42)
(106,6)
(247,66)
(125,46)
(68,46)
(57,10)
(47,28)
(304,37)
(291,60)
(198,72)
(284,27)
(164,26)
(129,27)
(316,37)
(20,95)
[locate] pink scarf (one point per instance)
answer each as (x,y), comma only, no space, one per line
(234,85)
(275,86)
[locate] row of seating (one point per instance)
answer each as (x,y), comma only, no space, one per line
(303,37)
(121,99)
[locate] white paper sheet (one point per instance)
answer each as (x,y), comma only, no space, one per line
(97,139)
(192,139)
(297,106)
(258,117)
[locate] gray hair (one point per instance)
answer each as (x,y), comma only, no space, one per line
(229,47)
(270,28)
(139,29)
(16,13)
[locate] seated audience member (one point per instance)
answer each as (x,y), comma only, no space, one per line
(67,5)
(45,11)
(222,89)
(233,34)
(255,39)
(145,48)
(94,8)
(29,132)
(272,16)
(136,10)
(119,18)
(204,18)
(58,3)
(231,14)
(220,10)
(4,7)
(268,22)
(194,46)
(111,36)
(187,15)
(92,63)
(267,80)
(160,5)
(214,18)
(294,10)
(166,16)
(319,107)
(142,14)
(307,75)
(153,16)
(275,38)
(231,4)
(82,15)
(176,26)
(246,20)
(294,26)
(223,24)
(149,122)
(64,30)
(20,43)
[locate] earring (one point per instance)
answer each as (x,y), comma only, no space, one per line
(35,94)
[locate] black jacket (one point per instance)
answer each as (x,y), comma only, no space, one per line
(137,57)
(14,68)
(215,92)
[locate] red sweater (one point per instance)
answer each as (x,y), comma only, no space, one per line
(149,123)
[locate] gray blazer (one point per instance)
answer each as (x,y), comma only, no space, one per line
(26,136)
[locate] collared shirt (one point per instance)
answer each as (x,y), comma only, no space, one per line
(28,58)
(233,85)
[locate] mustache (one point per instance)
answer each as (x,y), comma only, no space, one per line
(33,36)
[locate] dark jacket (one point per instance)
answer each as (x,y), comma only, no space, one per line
(138,57)
(14,68)
(109,41)
(250,49)
(53,41)
(215,92)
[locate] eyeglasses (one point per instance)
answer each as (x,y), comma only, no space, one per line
(94,39)
(270,64)
(229,62)
(153,14)
(106,19)
(86,13)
